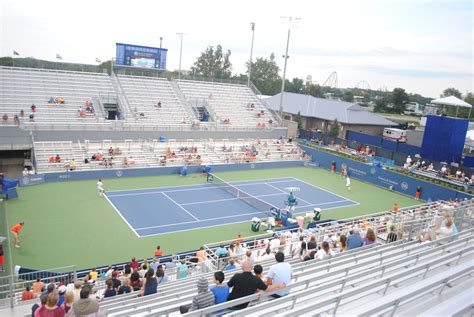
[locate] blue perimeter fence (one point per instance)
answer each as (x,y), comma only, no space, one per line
(384,178)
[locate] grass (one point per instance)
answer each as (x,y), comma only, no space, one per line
(69,224)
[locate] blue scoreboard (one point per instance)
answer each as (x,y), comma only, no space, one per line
(141,56)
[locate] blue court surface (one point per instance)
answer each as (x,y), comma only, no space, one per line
(161,210)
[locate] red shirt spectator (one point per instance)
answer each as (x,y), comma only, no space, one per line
(27,294)
(158,251)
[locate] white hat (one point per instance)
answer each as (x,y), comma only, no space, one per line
(62,289)
(317,209)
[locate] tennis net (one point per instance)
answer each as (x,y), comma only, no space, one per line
(250,200)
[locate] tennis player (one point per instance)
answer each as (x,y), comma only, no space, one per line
(100,187)
(15,230)
(348,183)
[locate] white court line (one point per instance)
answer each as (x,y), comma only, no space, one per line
(179,206)
(196,185)
(203,220)
(121,216)
(305,201)
(226,199)
(192,189)
(327,191)
(228,224)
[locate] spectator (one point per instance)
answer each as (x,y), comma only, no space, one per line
(77,290)
(61,292)
(27,294)
(85,306)
(22,113)
(5,118)
(110,291)
(135,280)
(182,269)
(154,264)
(158,251)
(51,308)
(312,243)
(392,236)
(16,120)
(33,108)
(446,230)
(220,291)
(239,239)
(160,275)
(203,299)
(68,301)
(32,117)
(221,251)
(108,273)
(36,307)
(258,271)
(395,207)
(201,255)
(245,283)
(369,237)
(38,286)
(354,240)
(326,252)
(265,257)
(231,265)
(150,283)
(125,288)
(115,281)
(134,264)
(279,274)
(145,266)
(249,257)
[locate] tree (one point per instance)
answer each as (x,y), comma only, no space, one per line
(348,96)
(381,103)
(399,99)
(451,92)
(296,86)
(315,90)
(265,75)
(334,129)
(212,63)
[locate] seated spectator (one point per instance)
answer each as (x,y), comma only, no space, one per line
(51,100)
(134,264)
(446,230)
(38,286)
(111,151)
(33,108)
(32,117)
(354,240)
(280,274)
(369,237)
(86,305)
(135,281)
(245,284)
(125,288)
(22,113)
(182,269)
(266,256)
(16,120)
(326,252)
(77,290)
(150,283)
(392,236)
(221,251)
(201,255)
(61,292)
(231,265)
(220,291)
(158,105)
(5,118)
(27,294)
(203,299)
(51,308)
(258,270)
(145,266)
(160,275)
(115,281)
(68,301)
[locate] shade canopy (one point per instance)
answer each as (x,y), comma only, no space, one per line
(451,101)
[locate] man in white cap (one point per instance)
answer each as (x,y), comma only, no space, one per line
(317,214)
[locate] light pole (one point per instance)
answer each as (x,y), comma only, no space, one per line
(161,41)
(252,27)
(181,35)
(292,21)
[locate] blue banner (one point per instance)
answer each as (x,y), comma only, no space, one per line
(32,180)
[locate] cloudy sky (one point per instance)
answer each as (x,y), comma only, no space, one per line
(420,45)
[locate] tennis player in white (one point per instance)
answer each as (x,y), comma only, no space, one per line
(100,187)
(348,183)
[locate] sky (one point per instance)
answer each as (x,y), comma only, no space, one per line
(422,46)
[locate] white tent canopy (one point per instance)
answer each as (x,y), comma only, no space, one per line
(453,101)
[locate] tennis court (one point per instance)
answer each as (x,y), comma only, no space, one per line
(154,211)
